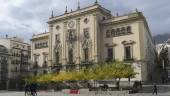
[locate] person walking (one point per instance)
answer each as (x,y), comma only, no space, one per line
(33,89)
(155,89)
(27,90)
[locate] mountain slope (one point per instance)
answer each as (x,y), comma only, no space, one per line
(160,38)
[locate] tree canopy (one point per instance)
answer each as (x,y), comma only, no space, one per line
(116,70)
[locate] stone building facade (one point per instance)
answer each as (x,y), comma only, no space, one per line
(40,53)
(18,61)
(91,35)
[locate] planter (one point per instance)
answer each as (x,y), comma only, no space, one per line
(70,91)
(74,91)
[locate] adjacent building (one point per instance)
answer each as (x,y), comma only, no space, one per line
(164,58)
(87,36)
(4,62)
(40,53)
(15,60)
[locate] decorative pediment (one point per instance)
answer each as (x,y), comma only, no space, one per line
(128,42)
(110,44)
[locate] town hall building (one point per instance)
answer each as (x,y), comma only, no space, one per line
(91,35)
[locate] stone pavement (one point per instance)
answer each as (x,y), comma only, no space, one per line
(163,90)
(90,94)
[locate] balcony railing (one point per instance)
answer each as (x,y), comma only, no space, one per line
(109,60)
(128,59)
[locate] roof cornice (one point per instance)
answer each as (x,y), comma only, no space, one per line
(86,10)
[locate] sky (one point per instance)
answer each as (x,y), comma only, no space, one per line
(23,18)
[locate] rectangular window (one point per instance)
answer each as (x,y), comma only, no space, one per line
(57,38)
(86,54)
(108,33)
(110,53)
(128,52)
(86,32)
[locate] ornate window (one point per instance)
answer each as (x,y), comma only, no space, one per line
(57,38)
(120,31)
(129,29)
(86,33)
(45,60)
(57,27)
(104,18)
(110,53)
(113,32)
(57,57)
(108,33)
(117,31)
(71,35)
(86,20)
(128,49)
(86,54)
(41,45)
(123,30)
(128,52)
(70,54)
(71,24)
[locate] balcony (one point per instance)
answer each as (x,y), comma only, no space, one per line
(109,60)
(85,64)
(128,59)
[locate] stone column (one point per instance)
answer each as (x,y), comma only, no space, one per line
(64,51)
(95,41)
(78,43)
(50,44)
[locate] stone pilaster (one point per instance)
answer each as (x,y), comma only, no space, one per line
(64,51)
(78,45)
(50,44)
(95,39)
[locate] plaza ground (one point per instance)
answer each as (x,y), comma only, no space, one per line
(163,90)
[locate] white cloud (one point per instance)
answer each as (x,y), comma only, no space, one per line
(29,16)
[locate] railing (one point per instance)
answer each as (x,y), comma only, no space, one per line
(110,60)
(128,59)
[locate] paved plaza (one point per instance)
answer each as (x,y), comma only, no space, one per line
(90,94)
(163,90)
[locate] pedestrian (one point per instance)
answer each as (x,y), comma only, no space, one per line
(34,89)
(155,89)
(117,85)
(140,84)
(27,90)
